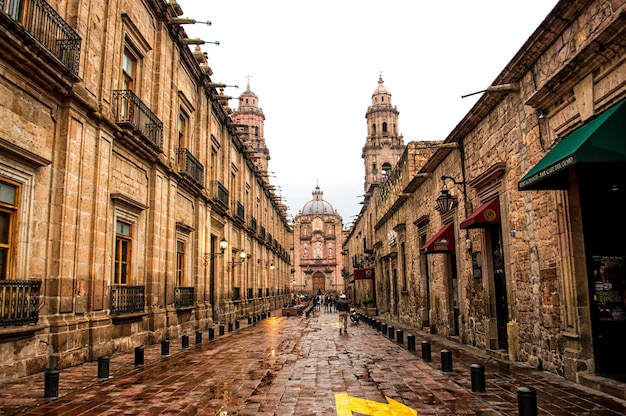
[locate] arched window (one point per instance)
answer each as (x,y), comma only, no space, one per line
(384,127)
(386,170)
(374,128)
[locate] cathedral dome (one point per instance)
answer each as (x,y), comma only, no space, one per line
(381,89)
(317,206)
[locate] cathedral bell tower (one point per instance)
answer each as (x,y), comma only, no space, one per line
(250,118)
(384,144)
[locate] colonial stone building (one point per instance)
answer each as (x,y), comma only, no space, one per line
(507,237)
(317,257)
(130,210)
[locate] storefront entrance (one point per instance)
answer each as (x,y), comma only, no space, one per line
(499,285)
(603,198)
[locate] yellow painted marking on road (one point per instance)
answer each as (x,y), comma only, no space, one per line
(346,405)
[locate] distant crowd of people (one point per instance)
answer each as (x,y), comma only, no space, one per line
(332,303)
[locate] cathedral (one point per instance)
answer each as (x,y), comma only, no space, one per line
(317,259)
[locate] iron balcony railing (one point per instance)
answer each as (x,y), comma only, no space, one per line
(48,28)
(191,167)
(240,212)
(183,296)
(131,113)
(127,299)
(220,194)
(19,302)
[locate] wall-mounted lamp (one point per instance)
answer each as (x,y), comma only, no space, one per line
(197,41)
(272,265)
(242,256)
(445,201)
(223,245)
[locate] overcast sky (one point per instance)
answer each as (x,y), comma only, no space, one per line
(315,65)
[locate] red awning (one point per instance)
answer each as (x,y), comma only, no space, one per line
(442,242)
(487,214)
(364,273)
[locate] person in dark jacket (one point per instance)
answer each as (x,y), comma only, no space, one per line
(343,307)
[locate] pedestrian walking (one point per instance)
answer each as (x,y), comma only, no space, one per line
(343,307)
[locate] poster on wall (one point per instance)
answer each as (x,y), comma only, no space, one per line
(609,289)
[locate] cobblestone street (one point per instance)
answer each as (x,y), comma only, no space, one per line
(298,366)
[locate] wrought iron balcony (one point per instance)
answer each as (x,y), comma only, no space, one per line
(47,27)
(131,113)
(19,302)
(127,299)
(240,212)
(220,194)
(183,296)
(190,167)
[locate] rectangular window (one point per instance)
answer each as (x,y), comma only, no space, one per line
(129,67)
(9,195)
(13,8)
(180,263)
(183,122)
(123,244)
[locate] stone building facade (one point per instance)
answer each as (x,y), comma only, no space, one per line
(317,241)
(127,197)
(504,238)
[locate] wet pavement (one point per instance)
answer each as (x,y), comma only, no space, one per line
(301,366)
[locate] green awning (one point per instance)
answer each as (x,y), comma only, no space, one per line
(603,139)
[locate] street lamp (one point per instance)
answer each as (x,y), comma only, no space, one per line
(223,245)
(242,256)
(445,201)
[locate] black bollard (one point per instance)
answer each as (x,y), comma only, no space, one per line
(211,333)
(400,336)
(478,377)
(426,351)
(250,320)
(103,367)
(165,347)
(185,342)
(221,330)
(391,332)
(410,340)
(269,314)
(138,356)
(236,323)
(254,319)
(230,327)
(527,401)
(51,383)
(198,337)
(446,360)
(383,328)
